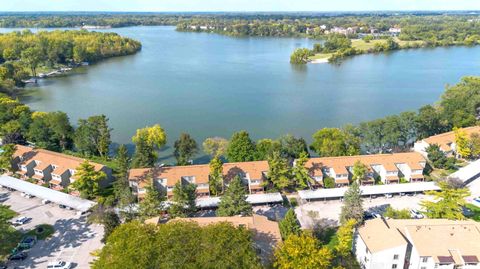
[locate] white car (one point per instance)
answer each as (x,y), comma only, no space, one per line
(388,195)
(415,214)
(59,265)
(21,221)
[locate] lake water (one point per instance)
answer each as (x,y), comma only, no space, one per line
(213,85)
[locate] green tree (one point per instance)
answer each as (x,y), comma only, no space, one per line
(121,188)
(215,180)
(300,171)
(329,142)
(92,137)
(352,207)
(183,202)
(6,157)
(264,148)
(215,146)
(360,171)
(110,222)
(329,182)
(438,158)
(185,148)
(302,252)
(241,148)
(289,225)
(32,56)
(234,200)
(459,102)
(147,141)
(151,205)
(474,143)
(429,122)
(178,244)
(88,180)
(447,203)
(292,147)
(279,173)
(301,56)
(392,213)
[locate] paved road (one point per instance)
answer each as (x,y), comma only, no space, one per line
(327,213)
(72,241)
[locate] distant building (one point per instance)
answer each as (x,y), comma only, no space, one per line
(418,244)
(343,31)
(388,167)
(395,31)
(445,141)
(55,169)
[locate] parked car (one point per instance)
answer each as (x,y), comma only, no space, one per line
(62,206)
(28,242)
(416,214)
(21,221)
(368,216)
(45,201)
(59,265)
(19,255)
(388,195)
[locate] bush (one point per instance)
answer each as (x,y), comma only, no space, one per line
(42,231)
(293,202)
(329,182)
(390,212)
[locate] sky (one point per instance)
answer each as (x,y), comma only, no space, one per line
(235,5)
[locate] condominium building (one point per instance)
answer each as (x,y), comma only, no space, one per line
(418,244)
(389,168)
(252,174)
(55,169)
(445,141)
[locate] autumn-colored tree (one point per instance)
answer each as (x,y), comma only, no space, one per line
(87,180)
(302,252)
(447,204)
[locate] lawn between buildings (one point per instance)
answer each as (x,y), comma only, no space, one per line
(10,237)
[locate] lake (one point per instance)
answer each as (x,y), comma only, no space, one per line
(212,85)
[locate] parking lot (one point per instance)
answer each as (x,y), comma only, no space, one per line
(73,240)
(327,212)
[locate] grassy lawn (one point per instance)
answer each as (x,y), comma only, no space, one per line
(9,236)
(321,56)
(359,44)
(476,212)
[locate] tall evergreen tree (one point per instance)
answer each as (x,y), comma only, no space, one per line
(215,180)
(352,204)
(151,205)
(6,157)
(234,200)
(279,171)
(121,189)
(185,148)
(241,148)
(300,172)
(183,202)
(289,224)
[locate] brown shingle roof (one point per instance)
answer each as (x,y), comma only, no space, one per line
(389,161)
(375,234)
(45,158)
(254,170)
(446,139)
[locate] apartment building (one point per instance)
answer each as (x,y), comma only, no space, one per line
(445,141)
(388,167)
(53,168)
(164,178)
(418,244)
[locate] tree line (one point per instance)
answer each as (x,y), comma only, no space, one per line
(23,53)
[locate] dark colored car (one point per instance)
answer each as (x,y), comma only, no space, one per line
(22,255)
(27,242)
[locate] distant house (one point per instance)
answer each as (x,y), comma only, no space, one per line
(55,169)
(445,141)
(389,168)
(252,174)
(395,31)
(417,244)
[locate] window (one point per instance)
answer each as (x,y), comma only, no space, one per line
(394,266)
(424,259)
(395,257)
